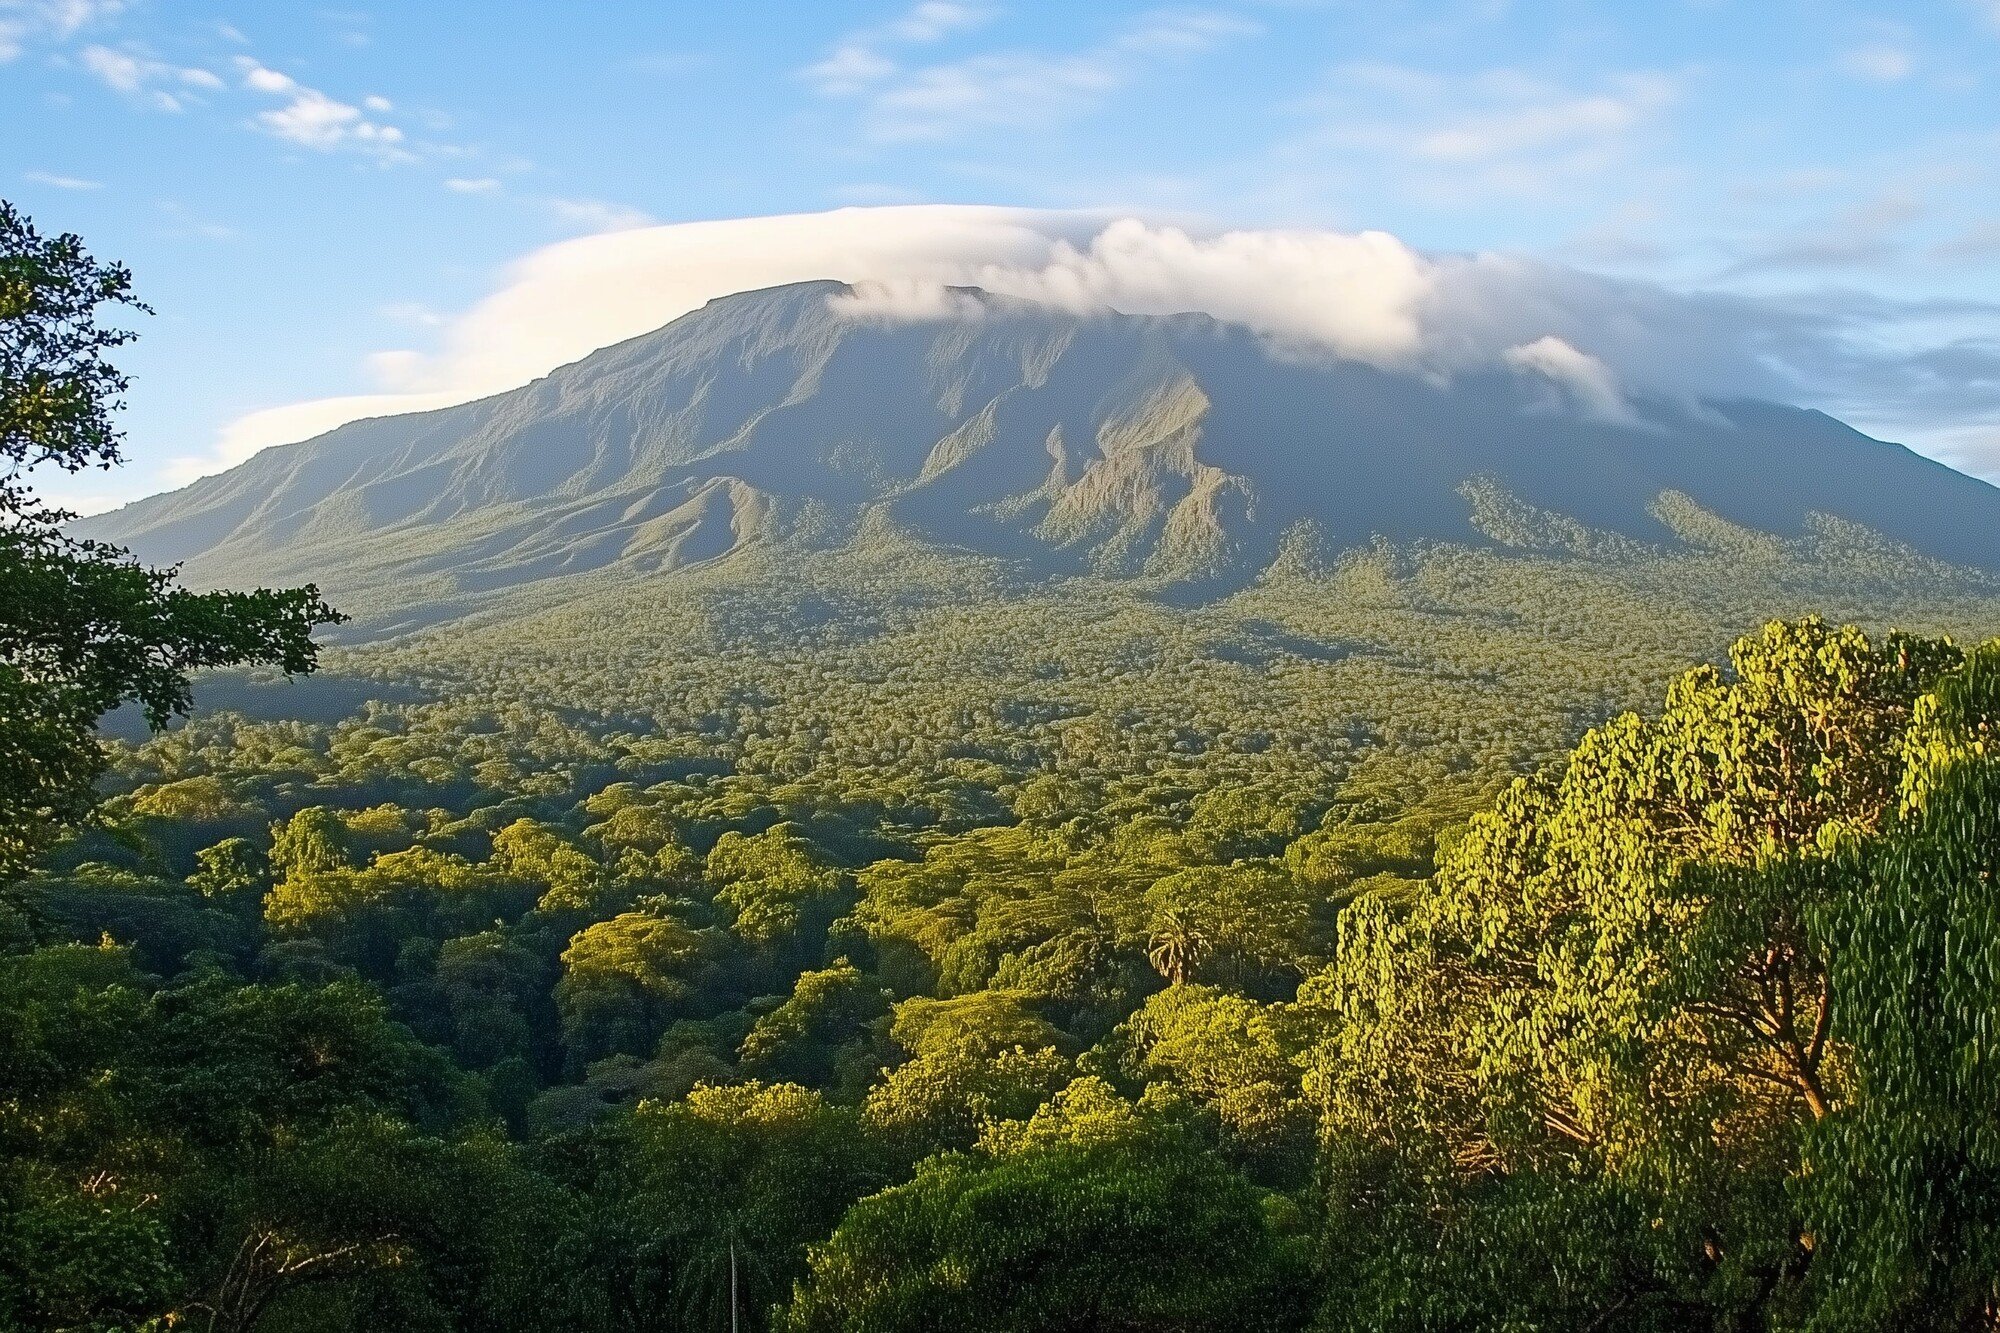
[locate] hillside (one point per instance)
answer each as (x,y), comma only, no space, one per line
(1179,452)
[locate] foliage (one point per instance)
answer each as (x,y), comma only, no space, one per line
(1900,1192)
(82,627)
(1060,1235)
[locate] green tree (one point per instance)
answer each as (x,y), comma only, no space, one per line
(232,869)
(313,841)
(752,1172)
(772,883)
(974,1059)
(624,978)
(803,1039)
(84,628)
(490,985)
(1239,921)
(1605,968)
(1903,1190)
(1230,1054)
(1110,1233)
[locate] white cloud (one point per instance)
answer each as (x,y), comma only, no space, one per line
(22,21)
(1978,243)
(1014,88)
(906,301)
(1498,131)
(849,69)
(318,121)
(140,77)
(860,59)
(1589,379)
(1545,123)
(1367,297)
(61,182)
(472,185)
(68,17)
(313,119)
(115,69)
(1878,63)
(413,312)
(1358,296)
(934,20)
(143,77)
(264,80)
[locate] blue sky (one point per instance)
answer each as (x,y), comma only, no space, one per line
(313,196)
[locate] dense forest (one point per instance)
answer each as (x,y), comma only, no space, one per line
(1418,939)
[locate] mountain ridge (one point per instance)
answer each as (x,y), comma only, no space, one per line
(1175,449)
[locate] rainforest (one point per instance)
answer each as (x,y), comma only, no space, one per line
(1515,921)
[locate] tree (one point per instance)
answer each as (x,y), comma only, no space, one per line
(83,627)
(489,984)
(1110,1233)
(623,978)
(803,1038)
(1241,921)
(1231,1054)
(755,1171)
(231,869)
(312,842)
(1608,967)
(1903,1181)
(1697,1015)
(974,1059)
(772,883)
(569,880)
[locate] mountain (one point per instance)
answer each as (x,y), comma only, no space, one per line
(1178,451)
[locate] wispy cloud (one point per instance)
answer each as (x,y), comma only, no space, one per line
(1862,235)
(25,21)
(1586,378)
(153,83)
(306,116)
(189,225)
(1978,243)
(472,185)
(413,312)
(1878,62)
(1010,88)
(1502,130)
(313,119)
(865,56)
(61,182)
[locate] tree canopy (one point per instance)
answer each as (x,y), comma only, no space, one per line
(83,628)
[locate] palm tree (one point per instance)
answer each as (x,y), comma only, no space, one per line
(1178,944)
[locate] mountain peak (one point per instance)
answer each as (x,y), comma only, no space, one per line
(1170,449)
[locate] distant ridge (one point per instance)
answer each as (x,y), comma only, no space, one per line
(1178,450)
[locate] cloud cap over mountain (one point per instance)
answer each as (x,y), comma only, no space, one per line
(1899,368)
